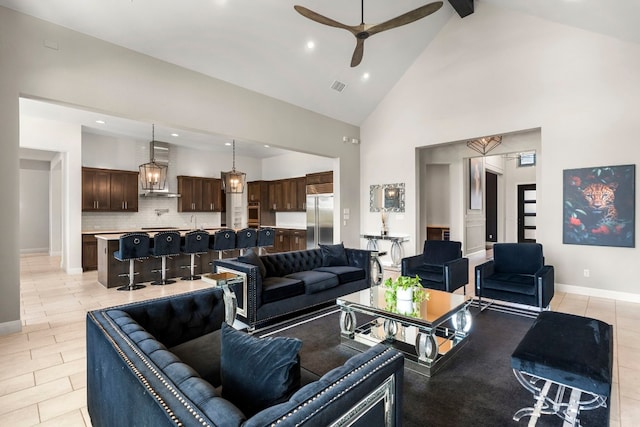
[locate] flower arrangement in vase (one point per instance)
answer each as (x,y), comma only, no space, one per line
(404,295)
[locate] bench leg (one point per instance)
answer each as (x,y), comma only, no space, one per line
(567,410)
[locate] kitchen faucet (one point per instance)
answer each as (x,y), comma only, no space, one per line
(194,221)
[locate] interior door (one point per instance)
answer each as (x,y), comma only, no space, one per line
(527,209)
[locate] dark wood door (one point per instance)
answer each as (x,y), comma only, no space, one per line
(527,209)
(190,189)
(491,200)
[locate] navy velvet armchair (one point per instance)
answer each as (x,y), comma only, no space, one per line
(440,266)
(516,274)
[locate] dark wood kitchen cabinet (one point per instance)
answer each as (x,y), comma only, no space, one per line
(287,195)
(96,191)
(298,240)
(275,195)
(198,194)
(190,189)
(301,194)
(109,190)
(89,252)
(254,191)
(212,195)
(124,191)
(283,241)
(288,239)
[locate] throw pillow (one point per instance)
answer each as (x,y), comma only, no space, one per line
(333,255)
(250,257)
(257,373)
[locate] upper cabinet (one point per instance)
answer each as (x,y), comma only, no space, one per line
(107,190)
(124,191)
(198,194)
(212,195)
(288,195)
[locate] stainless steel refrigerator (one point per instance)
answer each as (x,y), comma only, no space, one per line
(319,220)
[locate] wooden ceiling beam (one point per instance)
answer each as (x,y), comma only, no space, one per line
(463,7)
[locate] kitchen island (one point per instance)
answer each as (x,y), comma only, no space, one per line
(110,269)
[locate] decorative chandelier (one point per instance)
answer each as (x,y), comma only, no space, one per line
(484,145)
(153,176)
(233,181)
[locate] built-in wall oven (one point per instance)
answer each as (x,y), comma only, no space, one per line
(253,216)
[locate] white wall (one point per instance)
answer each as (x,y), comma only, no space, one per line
(499,71)
(65,138)
(55,207)
(34,206)
(293,165)
(92,74)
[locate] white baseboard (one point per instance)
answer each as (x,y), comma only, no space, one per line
(55,253)
(34,251)
(12,327)
(599,293)
(74,271)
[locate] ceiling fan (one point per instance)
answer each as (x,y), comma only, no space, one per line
(364,31)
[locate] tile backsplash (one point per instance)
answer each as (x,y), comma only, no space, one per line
(152,212)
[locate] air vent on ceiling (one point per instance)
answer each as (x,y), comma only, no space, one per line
(338,86)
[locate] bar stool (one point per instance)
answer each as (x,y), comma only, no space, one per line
(165,244)
(222,240)
(266,239)
(132,247)
(246,238)
(195,243)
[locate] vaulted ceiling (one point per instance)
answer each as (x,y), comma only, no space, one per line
(262,45)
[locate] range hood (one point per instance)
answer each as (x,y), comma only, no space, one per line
(159,153)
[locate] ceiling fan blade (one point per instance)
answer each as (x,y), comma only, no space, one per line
(406,18)
(358,53)
(322,19)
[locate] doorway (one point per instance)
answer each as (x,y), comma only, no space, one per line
(527,213)
(491,199)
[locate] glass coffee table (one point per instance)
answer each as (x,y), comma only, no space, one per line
(428,333)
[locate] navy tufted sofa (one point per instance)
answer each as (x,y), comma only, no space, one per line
(154,363)
(288,282)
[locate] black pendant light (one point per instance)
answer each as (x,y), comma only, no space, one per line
(233,181)
(153,176)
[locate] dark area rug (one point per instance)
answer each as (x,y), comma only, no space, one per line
(475,387)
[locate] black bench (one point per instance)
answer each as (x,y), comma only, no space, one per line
(566,361)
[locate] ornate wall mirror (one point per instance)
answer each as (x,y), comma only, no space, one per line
(386,198)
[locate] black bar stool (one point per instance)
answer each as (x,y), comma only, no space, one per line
(266,238)
(132,247)
(195,243)
(165,244)
(222,240)
(246,238)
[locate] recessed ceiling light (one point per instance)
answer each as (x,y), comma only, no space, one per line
(311,45)
(365,76)
(100,122)
(266,146)
(228,144)
(174,134)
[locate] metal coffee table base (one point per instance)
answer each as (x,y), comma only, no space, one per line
(425,351)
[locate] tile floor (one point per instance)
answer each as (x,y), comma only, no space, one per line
(43,372)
